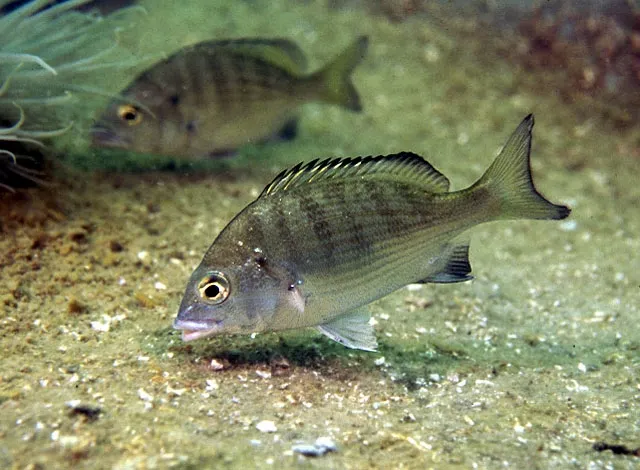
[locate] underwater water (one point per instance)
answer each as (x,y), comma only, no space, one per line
(533,364)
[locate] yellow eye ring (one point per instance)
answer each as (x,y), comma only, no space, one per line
(129,114)
(214,288)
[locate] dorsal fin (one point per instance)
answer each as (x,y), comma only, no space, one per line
(279,52)
(404,166)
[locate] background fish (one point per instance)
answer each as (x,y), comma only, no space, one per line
(326,238)
(211,98)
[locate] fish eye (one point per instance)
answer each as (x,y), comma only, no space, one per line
(214,288)
(130,114)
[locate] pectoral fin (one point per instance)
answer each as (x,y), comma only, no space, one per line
(352,330)
(289,131)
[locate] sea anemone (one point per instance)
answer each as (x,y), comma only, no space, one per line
(50,56)
(10,169)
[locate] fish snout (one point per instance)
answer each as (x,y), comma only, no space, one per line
(192,330)
(190,320)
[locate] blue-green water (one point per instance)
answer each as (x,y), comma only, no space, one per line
(527,366)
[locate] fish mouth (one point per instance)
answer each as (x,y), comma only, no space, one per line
(104,137)
(192,330)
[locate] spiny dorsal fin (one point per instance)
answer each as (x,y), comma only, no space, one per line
(403,166)
(279,52)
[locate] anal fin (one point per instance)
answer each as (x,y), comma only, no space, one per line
(352,330)
(456,268)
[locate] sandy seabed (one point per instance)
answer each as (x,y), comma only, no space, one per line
(527,366)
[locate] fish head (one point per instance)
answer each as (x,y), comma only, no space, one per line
(243,297)
(127,124)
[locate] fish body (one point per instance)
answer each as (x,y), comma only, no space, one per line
(326,238)
(213,97)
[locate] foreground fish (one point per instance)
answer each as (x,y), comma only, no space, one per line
(213,97)
(326,238)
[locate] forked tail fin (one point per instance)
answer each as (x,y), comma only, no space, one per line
(334,80)
(508,181)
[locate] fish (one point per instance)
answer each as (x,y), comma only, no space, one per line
(326,238)
(211,98)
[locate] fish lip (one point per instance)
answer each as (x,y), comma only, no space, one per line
(192,335)
(192,330)
(104,137)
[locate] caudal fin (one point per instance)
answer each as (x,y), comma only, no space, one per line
(334,80)
(508,181)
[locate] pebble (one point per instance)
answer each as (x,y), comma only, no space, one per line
(318,449)
(106,323)
(266,426)
(76,307)
(102,327)
(307,449)
(144,396)
(212,384)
